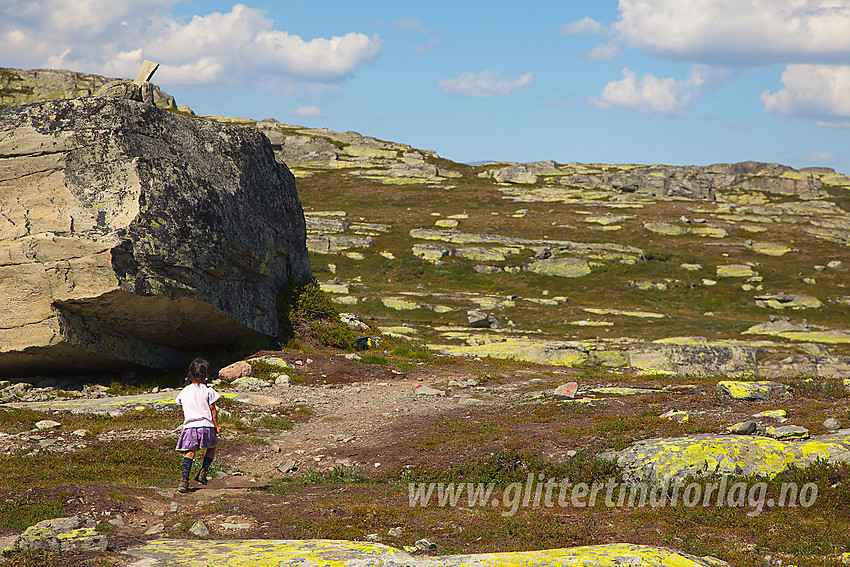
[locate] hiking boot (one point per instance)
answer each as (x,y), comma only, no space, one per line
(184,486)
(202,476)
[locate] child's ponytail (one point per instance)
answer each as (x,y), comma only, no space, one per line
(199,370)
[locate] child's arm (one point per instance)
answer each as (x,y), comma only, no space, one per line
(214,413)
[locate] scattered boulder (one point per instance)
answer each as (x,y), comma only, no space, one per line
(743,428)
(199,529)
(480,320)
(567,390)
(75,533)
(236,370)
(760,390)
(679,416)
(787,432)
(423,390)
(136,236)
(832,424)
(787,301)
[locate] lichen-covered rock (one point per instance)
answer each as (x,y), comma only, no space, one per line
(76,533)
(761,390)
(132,236)
(698,359)
(660,460)
(788,301)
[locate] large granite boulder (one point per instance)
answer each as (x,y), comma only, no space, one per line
(130,235)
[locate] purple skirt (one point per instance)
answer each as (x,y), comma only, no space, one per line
(194,438)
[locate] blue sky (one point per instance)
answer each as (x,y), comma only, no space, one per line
(635,81)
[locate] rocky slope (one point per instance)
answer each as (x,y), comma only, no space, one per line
(731,268)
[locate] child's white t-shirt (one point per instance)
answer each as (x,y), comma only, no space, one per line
(196,399)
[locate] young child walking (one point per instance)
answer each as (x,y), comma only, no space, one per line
(200,422)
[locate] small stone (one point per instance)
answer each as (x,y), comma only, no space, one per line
(683,388)
(47,424)
(423,390)
(835,264)
(743,428)
(567,390)
(155,529)
(831,423)
(788,432)
(373,537)
(199,529)
(676,415)
(395,532)
(81,432)
(779,415)
(425,545)
(174,507)
(287,467)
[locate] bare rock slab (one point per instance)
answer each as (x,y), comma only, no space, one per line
(180,553)
(130,235)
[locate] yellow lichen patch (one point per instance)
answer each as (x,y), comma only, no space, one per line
(619,391)
(399,304)
(642,314)
(561,267)
(768,248)
(710,231)
(518,348)
(745,390)
(735,271)
(334,288)
(665,228)
(775,414)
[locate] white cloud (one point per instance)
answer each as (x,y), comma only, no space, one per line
(112,37)
(818,92)
(738,33)
(584,25)
(484,84)
(604,52)
(822,158)
(409,24)
(649,94)
(309,111)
